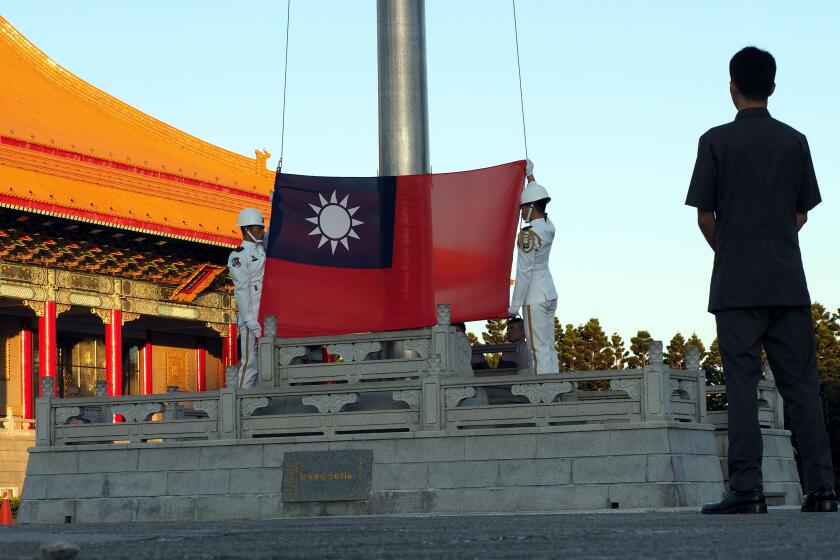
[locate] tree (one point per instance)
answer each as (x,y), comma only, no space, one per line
(675,352)
(472,338)
(570,344)
(695,341)
(494,333)
(639,345)
(713,365)
(618,355)
(592,348)
(827,331)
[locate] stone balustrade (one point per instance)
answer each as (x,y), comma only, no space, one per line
(346,402)
(770,406)
(365,357)
(13,424)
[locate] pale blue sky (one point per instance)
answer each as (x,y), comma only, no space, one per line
(616,95)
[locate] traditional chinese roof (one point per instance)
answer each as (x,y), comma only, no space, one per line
(70,150)
(38,240)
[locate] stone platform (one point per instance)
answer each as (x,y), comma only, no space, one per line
(548,469)
(374,434)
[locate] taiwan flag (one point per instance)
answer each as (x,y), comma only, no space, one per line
(364,254)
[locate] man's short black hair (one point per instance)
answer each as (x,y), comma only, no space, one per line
(514,321)
(753,71)
(540,205)
(460,327)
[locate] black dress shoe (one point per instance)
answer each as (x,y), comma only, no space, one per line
(748,501)
(820,500)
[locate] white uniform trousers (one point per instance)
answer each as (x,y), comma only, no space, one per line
(249,368)
(539,329)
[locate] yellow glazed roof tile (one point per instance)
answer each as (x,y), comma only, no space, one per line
(59,135)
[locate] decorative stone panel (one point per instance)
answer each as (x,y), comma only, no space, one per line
(633,387)
(457,394)
(209,407)
(409,396)
(64,413)
(542,392)
(285,354)
(419,345)
(249,405)
(333,402)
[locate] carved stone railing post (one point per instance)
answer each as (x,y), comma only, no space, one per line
(431,406)
(656,405)
(778,403)
(443,354)
(43,414)
(228,416)
(702,412)
(692,363)
(266,352)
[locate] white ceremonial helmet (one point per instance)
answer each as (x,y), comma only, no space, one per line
(533,192)
(250,217)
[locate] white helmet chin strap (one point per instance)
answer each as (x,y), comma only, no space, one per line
(530,210)
(251,235)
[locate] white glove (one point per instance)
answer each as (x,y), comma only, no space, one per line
(513,311)
(254,327)
(529,167)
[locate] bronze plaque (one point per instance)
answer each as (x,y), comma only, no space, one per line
(327,476)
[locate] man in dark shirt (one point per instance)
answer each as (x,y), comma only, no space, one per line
(753,186)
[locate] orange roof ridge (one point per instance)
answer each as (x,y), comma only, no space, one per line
(38,78)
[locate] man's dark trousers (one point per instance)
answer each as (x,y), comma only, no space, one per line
(787,335)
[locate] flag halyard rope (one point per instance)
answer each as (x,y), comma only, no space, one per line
(285,80)
(519,70)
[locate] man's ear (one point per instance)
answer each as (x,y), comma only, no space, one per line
(772,89)
(733,89)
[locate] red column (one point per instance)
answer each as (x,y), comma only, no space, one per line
(113,353)
(26,369)
(229,356)
(200,367)
(146,368)
(47,345)
(229,345)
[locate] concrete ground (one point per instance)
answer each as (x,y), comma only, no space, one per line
(783,533)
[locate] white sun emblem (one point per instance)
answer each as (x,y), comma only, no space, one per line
(334,222)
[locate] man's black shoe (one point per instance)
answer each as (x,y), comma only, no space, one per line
(820,500)
(749,501)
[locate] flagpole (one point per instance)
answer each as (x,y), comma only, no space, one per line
(403,105)
(403,100)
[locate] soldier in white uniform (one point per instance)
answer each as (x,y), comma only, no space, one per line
(534,289)
(247,265)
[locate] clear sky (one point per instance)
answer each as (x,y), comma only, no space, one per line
(616,95)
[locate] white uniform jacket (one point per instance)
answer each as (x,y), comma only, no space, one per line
(247,265)
(534,283)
